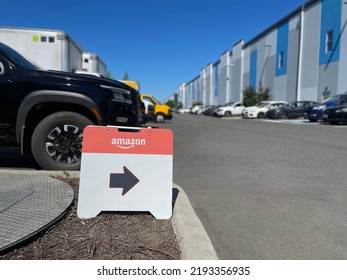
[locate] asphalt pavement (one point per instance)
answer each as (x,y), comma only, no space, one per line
(264,189)
(261,189)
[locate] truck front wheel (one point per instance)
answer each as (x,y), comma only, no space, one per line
(159,118)
(56,142)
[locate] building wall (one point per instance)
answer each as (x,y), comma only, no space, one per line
(182,94)
(209,85)
(303,56)
(342,77)
(223,78)
(310,53)
(237,66)
(203,86)
(329,62)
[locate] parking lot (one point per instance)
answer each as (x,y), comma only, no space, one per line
(265,189)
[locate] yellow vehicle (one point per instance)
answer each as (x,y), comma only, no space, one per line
(161,112)
(133,84)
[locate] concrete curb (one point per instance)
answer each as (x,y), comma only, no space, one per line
(193,240)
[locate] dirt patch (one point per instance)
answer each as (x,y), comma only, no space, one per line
(110,236)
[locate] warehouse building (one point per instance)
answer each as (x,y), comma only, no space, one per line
(299,58)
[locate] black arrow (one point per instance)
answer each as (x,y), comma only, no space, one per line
(125,181)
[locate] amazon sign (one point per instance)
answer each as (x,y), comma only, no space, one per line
(126,169)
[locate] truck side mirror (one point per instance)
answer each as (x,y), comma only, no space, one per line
(2,69)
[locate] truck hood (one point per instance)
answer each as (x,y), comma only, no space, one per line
(83,78)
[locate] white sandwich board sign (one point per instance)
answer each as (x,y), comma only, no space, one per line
(126,169)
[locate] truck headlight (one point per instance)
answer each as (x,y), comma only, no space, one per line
(119,95)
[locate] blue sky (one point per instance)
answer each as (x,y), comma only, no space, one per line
(159,43)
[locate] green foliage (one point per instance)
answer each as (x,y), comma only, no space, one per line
(197,103)
(126,76)
(110,76)
(251,97)
(171,104)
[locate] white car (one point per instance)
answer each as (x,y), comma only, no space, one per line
(259,111)
(184,110)
(196,108)
(234,108)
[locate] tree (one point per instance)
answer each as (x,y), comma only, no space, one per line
(251,97)
(197,103)
(171,104)
(109,75)
(126,76)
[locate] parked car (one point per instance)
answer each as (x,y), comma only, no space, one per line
(203,110)
(290,110)
(209,110)
(234,108)
(45,112)
(335,114)
(314,113)
(213,112)
(184,110)
(196,108)
(162,112)
(147,111)
(259,111)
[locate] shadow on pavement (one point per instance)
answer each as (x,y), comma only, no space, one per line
(12,158)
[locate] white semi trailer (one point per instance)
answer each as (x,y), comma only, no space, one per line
(50,49)
(93,63)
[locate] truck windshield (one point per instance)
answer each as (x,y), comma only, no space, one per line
(17,59)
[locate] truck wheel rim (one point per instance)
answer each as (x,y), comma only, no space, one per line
(160,118)
(64,144)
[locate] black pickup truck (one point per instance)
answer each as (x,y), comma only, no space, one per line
(45,112)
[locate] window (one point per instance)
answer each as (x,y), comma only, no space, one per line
(51,39)
(86,60)
(280,60)
(43,39)
(329,42)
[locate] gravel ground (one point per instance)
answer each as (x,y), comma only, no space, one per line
(109,236)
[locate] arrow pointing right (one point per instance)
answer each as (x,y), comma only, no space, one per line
(125,181)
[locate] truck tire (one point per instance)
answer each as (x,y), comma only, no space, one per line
(159,118)
(228,114)
(56,142)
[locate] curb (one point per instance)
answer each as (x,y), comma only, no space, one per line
(192,238)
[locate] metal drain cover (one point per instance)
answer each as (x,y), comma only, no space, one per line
(28,205)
